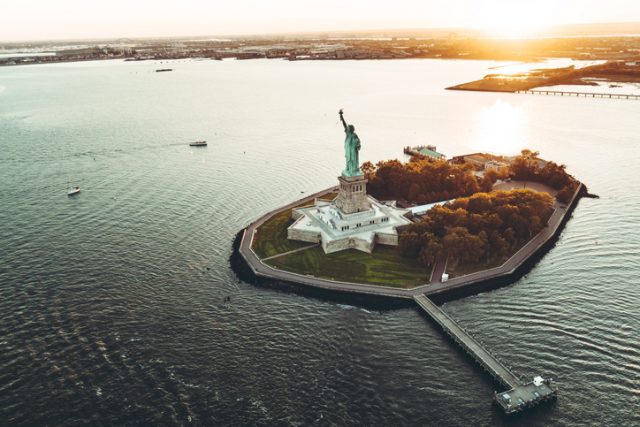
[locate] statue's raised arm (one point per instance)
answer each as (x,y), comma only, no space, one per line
(342,119)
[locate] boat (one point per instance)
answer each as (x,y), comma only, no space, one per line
(198,144)
(163,70)
(73,191)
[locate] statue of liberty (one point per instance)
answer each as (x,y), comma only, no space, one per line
(351,149)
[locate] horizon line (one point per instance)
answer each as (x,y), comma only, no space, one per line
(555,30)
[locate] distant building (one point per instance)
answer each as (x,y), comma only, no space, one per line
(540,163)
(428,151)
(478,160)
(485,161)
(495,165)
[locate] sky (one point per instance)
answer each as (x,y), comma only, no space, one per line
(69,19)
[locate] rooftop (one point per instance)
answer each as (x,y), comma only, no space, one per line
(336,230)
(430,153)
(325,218)
(422,209)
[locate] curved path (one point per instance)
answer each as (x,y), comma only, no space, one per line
(433,288)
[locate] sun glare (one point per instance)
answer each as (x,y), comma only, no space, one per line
(500,129)
(513,19)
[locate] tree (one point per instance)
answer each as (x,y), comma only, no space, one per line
(463,246)
(480,202)
(431,249)
(490,177)
(526,167)
(368,169)
(565,195)
(410,244)
(420,180)
(481,227)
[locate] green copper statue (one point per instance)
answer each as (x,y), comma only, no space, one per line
(351,149)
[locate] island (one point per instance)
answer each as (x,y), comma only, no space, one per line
(426,230)
(405,225)
(612,72)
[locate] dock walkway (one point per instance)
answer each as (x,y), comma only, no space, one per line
(579,94)
(519,395)
(485,359)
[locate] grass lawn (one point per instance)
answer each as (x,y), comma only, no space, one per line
(384,267)
(271,237)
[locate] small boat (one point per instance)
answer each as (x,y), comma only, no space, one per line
(73,191)
(198,144)
(163,70)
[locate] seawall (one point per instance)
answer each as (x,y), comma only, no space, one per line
(249,268)
(520,271)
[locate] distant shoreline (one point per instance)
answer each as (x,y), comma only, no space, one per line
(451,46)
(611,72)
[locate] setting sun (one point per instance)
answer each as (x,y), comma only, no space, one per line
(511,19)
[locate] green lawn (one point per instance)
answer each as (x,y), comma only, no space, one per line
(271,237)
(384,267)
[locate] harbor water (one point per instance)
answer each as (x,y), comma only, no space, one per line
(118,306)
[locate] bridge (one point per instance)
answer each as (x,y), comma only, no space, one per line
(519,395)
(579,94)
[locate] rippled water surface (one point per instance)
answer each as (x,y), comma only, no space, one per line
(113,303)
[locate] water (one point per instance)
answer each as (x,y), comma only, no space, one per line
(25,54)
(603,87)
(112,303)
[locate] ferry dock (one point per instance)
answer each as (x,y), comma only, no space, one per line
(518,395)
(578,94)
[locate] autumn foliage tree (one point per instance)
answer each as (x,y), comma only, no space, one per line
(528,167)
(420,180)
(483,228)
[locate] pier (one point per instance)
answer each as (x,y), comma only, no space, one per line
(519,395)
(578,94)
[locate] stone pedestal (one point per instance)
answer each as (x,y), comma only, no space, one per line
(352,196)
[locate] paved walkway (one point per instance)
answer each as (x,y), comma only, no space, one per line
(438,269)
(434,288)
(304,248)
